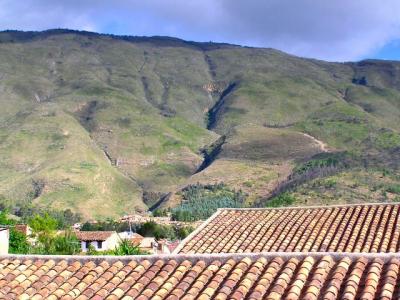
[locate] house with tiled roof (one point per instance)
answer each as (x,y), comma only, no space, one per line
(342,228)
(99,240)
(331,252)
(203,276)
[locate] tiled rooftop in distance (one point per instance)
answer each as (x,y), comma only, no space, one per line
(93,235)
(217,276)
(348,228)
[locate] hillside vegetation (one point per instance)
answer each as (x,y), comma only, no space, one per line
(109,125)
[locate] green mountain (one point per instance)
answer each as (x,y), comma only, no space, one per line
(107,125)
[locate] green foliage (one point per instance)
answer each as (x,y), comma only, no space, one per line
(284,199)
(64,218)
(160,213)
(4,219)
(145,103)
(18,243)
(43,224)
(92,251)
(158,231)
(329,183)
(67,243)
(322,161)
(150,229)
(44,230)
(125,247)
(394,188)
(201,201)
(183,232)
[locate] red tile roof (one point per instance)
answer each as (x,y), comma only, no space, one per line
(347,228)
(93,235)
(217,276)
(23,228)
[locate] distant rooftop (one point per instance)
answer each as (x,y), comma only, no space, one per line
(341,228)
(93,235)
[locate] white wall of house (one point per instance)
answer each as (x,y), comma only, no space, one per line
(109,244)
(4,240)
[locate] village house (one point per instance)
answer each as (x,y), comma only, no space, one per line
(166,247)
(109,240)
(99,240)
(135,238)
(326,252)
(150,244)
(4,240)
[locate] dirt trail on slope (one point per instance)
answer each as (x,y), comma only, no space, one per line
(321,144)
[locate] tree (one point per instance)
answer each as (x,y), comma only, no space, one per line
(4,220)
(43,228)
(18,242)
(43,223)
(66,244)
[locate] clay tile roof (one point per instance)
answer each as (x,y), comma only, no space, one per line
(23,228)
(216,276)
(366,228)
(93,235)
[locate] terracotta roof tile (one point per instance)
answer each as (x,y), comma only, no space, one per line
(93,235)
(217,276)
(348,228)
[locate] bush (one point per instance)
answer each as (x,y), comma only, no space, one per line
(284,199)
(44,229)
(201,201)
(394,189)
(125,247)
(18,243)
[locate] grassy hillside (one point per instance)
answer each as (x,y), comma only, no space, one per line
(108,125)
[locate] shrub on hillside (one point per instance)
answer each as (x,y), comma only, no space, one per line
(284,199)
(201,201)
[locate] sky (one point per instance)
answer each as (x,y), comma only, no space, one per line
(334,30)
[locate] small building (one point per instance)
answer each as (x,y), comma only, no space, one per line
(4,240)
(99,240)
(149,244)
(166,247)
(136,238)
(24,229)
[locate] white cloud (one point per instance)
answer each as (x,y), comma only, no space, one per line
(326,29)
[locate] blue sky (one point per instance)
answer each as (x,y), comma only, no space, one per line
(339,30)
(389,51)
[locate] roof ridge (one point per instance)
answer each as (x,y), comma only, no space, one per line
(96,231)
(207,257)
(308,207)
